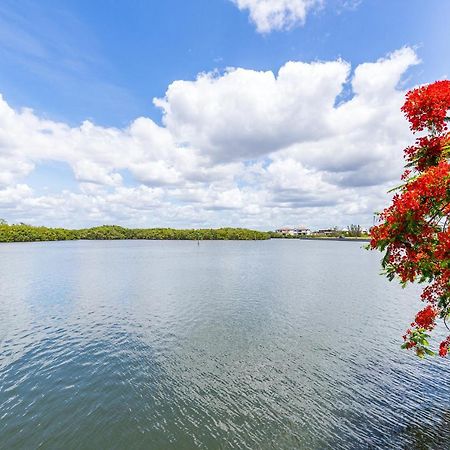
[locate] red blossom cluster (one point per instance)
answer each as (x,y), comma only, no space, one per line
(414,231)
(426,152)
(444,347)
(426,317)
(426,107)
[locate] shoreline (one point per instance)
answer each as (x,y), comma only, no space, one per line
(29,233)
(317,238)
(188,240)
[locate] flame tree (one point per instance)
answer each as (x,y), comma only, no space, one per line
(414,231)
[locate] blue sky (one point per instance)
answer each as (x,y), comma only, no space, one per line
(105,62)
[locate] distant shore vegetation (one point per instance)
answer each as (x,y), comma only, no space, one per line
(29,233)
(353,232)
(318,236)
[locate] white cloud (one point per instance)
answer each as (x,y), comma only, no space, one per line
(269,15)
(12,195)
(244,147)
(245,114)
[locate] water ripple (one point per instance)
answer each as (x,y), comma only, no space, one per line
(228,345)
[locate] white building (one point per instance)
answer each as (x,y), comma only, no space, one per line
(300,231)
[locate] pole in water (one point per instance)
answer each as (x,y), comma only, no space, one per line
(198,241)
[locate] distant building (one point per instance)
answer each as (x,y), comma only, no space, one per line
(327,231)
(300,231)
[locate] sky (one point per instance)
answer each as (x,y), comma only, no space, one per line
(209,113)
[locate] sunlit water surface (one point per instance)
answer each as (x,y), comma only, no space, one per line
(160,345)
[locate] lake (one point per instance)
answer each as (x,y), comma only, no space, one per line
(172,345)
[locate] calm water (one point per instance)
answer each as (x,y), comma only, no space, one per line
(160,345)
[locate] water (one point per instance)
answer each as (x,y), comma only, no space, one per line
(160,345)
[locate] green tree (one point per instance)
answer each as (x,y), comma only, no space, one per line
(354,230)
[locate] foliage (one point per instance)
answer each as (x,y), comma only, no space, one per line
(414,231)
(354,230)
(28,233)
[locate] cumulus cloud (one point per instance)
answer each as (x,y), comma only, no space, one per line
(245,114)
(269,15)
(242,147)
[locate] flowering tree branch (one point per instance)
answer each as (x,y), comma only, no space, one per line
(413,232)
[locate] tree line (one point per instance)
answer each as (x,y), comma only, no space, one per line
(29,233)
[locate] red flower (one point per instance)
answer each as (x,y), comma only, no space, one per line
(444,347)
(414,231)
(425,318)
(427,106)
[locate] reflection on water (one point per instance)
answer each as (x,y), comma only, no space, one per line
(425,436)
(272,344)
